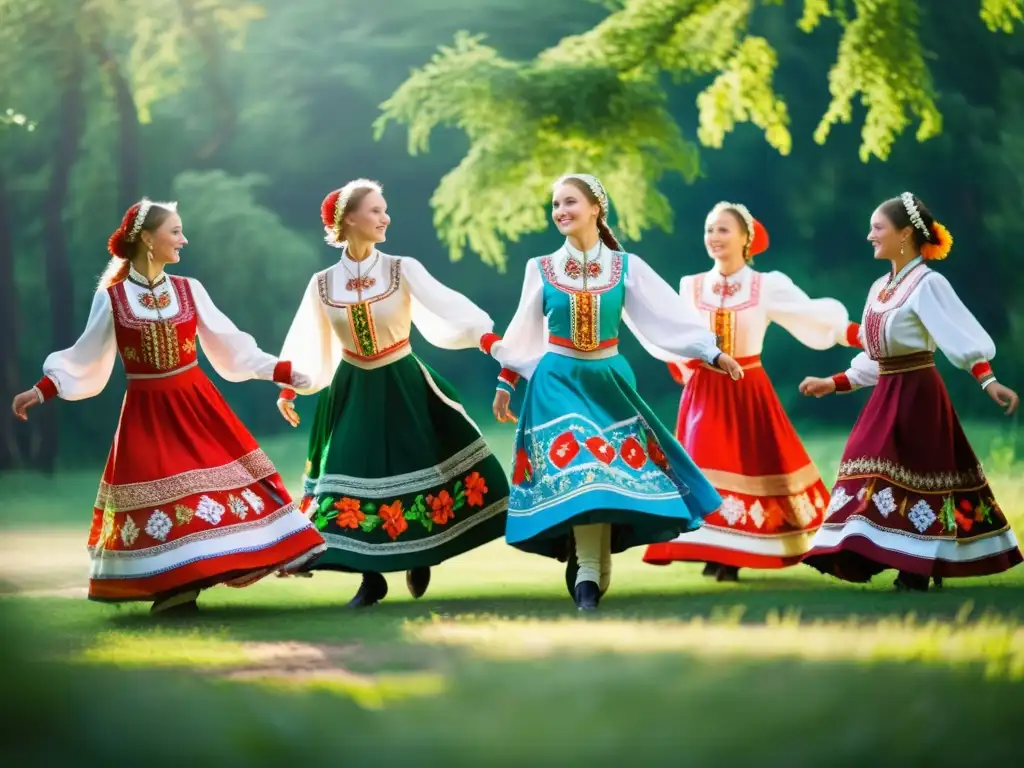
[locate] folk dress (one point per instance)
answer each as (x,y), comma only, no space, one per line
(588,449)
(188,499)
(911,494)
(739,434)
(398,476)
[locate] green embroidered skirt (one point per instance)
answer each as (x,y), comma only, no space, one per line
(397,474)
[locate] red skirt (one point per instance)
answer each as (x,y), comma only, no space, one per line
(773,495)
(188,499)
(910,493)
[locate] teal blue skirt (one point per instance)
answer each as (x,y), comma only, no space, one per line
(589,450)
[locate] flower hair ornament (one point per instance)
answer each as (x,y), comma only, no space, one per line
(938,240)
(332,210)
(131,226)
(594,185)
(757,240)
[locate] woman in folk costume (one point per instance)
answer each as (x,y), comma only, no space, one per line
(911,494)
(739,435)
(188,500)
(595,472)
(398,477)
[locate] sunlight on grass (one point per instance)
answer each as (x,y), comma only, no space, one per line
(156,648)
(995,642)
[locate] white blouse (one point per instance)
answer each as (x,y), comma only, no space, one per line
(923,314)
(747,302)
(83,370)
(397,293)
(667,327)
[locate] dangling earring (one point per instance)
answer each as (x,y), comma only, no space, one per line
(149,253)
(903,246)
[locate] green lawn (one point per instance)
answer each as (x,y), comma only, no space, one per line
(495,667)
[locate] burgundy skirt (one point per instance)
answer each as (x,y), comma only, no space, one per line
(910,492)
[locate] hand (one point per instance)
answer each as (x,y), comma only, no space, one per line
(300,380)
(29,399)
(500,407)
(287,409)
(730,366)
(1005,396)
(812,386)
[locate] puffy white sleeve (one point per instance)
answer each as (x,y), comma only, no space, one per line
(83,370)
(815,323)
(311,345)
(863,372)
(446,318)
(524,342)
(955,330)
(665,324)
(233,353)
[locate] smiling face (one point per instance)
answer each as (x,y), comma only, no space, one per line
(886,240)
(368,220)
(572,211)
(725,236)
(166,239)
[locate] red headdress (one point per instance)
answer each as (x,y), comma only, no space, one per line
(332,209)
(758,242)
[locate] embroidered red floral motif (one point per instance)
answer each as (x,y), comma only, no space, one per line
(563,450)
(360,283)
(394,519)
(441,507)
(476,488)
(155,301)
(963,520)
(655,452)
(574,268)
(523,470)
(601,448)
(305,504)
(632,453)
(725,289)
(350,515)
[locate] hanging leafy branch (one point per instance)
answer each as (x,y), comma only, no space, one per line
(527,123)
(596,101)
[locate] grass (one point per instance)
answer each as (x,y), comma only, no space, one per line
(495,667)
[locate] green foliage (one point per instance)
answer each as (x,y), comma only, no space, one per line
(498,190)
(527,124)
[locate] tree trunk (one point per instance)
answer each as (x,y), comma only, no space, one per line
(70,126)
(128,147)
(11,453)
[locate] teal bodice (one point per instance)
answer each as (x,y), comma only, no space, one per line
(580,316)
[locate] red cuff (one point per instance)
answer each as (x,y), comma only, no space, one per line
(842,382)
(677,372)
(982,372)
(487,341)
(47,387)
(853,335)
(283,372)
(286,394)
(509,377)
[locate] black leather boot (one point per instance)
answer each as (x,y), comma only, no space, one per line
(373,589)
(572,567)
(727,573)
(587,595)
(417,580)
(910,582)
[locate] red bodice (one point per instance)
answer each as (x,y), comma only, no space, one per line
(154,347)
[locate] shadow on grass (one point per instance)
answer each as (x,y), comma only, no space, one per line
(595,710)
